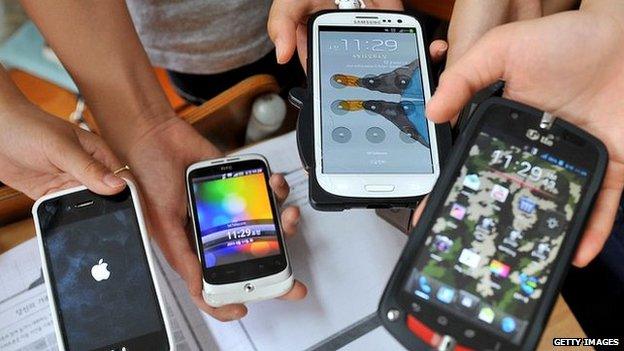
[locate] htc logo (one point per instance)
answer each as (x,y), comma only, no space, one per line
(226,168)
(546,139)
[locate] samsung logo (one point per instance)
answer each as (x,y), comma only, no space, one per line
(359,21)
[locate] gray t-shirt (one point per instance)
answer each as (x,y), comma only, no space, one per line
(202,36)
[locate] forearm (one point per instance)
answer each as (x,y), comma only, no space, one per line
(98,45)
(11,100)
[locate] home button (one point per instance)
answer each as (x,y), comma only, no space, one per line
(379,188)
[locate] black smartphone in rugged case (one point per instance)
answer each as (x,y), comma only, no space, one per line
(483,266)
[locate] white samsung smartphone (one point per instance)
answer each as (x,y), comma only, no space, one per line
(99,273)
(237,230)
(370,85)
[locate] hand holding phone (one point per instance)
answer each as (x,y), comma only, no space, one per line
(99,273)
(287,27)
(556,80)
(369,84)
(483,267)
(237,230)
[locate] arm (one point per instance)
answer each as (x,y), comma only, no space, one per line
(98,45)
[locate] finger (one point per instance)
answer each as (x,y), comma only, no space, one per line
(481,66)
(298,292)
(290,220)
(418,212)
(437,50)
(79,162)
(225,313)
(280,187)
(302,46)
(601,219)
(284,17)
(384,4)
(97,148)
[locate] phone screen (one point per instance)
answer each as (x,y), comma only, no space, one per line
(99,272)
(489,254)
(372,102)
(236,221)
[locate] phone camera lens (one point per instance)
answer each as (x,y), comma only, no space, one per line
(400,21)
(514,115)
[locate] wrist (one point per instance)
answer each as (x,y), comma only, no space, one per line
(154,131)
(122,136)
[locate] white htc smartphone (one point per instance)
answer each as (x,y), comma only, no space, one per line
(99,272)
(370,85)
(237,230)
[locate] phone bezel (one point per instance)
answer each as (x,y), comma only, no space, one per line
(354,185)
(239,271)
(77,195)
(394,298)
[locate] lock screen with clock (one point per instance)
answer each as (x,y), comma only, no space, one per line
(235,217)
(372,102)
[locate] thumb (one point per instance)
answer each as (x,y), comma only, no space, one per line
(282,27)
(479,67)
(88,170)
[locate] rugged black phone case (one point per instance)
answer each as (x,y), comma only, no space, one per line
(319,198)
(389,299)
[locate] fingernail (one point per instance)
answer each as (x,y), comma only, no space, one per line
(114,181)
(278,50)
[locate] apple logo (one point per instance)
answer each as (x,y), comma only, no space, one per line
(100,271)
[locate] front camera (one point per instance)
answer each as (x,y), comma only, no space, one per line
(400,21)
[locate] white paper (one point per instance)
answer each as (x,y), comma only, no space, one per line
(345,258)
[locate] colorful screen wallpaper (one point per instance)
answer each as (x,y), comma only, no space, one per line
(490,252)
(235,218)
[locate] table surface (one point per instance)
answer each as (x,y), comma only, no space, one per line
(561,324)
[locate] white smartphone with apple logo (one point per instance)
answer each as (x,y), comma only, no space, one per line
(98,270)
(370,85)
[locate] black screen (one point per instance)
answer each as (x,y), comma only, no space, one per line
(100,275)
